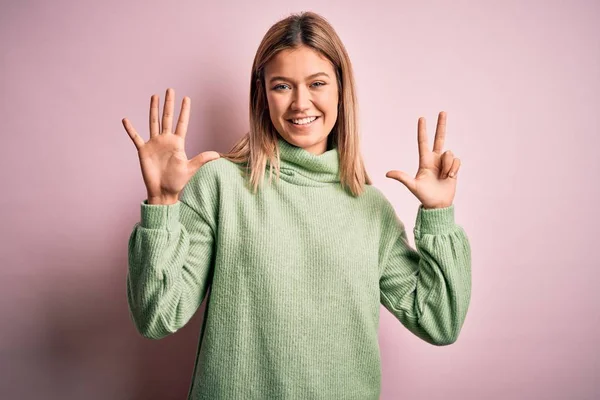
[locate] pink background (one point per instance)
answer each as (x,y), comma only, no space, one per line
(520,82)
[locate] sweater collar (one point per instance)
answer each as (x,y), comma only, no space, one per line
(302,167)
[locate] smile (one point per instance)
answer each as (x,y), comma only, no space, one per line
(303,121)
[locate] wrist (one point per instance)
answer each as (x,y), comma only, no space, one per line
(435,207)
(163,200)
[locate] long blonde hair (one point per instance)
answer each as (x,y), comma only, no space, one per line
(259,145)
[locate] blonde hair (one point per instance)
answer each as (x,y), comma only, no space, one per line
(259,145)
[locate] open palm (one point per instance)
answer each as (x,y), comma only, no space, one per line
(165,166)
(435,182)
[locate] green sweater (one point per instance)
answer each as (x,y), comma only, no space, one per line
(297,273)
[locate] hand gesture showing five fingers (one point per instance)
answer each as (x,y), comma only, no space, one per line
(435,182)
(165,167)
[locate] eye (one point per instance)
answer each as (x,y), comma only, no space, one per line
(319,84)
(279,87)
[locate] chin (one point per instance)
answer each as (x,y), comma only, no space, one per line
(302,140)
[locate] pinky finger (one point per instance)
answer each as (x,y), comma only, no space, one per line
(454,169)
(137,140)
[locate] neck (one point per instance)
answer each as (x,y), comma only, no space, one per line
(303,165)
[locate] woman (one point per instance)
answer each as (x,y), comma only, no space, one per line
(297,266)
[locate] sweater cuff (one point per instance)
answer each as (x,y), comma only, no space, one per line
(159,216)
(435,221)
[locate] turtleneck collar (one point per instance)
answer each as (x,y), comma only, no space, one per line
(301,167)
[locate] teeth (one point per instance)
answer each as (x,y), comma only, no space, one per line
(304,121)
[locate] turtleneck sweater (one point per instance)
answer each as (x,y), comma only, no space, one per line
(294,276)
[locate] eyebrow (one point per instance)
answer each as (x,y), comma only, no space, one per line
(283,78)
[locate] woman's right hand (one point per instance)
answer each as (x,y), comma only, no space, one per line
(165,167)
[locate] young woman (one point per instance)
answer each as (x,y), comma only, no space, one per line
(299,265)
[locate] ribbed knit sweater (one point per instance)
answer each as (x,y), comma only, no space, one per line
(297,273)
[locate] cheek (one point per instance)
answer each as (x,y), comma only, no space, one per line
(329,105)
(329,100)
(276,107)
(272,109)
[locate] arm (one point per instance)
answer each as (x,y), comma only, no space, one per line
(170,262)
(429,289)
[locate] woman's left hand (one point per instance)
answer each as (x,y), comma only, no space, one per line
(435,182)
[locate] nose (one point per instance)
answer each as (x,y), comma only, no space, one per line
(301,99)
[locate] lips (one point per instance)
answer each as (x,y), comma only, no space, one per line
(291,121)
(306,116)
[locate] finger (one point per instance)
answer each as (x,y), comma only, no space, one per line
(403,178)
(440,133)
(447,159)
(203,158)
(154,125)
(422,138)
(167,120)
(454,170)
(137,140)
(184,117)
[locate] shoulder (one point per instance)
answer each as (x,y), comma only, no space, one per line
(214,173)
(217,169)
(382,208)
(377,199)
(202,190)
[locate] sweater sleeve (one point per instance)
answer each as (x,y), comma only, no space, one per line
(170,261)
(428,289)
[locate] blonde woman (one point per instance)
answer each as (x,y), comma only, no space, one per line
(299,263)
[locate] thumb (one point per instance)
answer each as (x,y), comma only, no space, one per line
(403,178)
(202,158)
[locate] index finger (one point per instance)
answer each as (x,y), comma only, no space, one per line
(422,138)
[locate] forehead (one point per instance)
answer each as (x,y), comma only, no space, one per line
(300,62)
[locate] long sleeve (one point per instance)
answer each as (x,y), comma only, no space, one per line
(428,289)
(170,262)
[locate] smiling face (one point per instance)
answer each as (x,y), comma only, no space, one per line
(302,96)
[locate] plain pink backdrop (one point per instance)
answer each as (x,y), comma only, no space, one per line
(520,82)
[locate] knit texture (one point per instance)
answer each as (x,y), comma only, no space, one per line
(297,274)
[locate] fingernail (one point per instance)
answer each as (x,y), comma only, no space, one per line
(452,174)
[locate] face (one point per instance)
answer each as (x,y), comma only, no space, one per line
(302,96)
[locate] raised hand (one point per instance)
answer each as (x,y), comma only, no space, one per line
(435,182)
(165,167)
